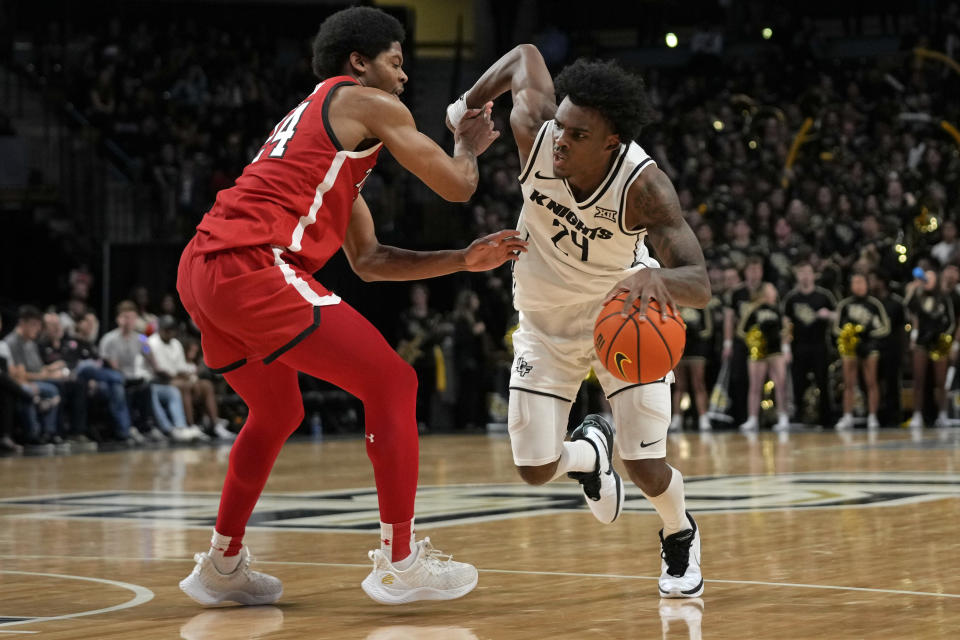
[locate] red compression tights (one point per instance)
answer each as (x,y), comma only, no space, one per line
(349,352)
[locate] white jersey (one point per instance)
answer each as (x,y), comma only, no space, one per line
(578,250)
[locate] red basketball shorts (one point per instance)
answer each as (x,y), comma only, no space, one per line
(248,303)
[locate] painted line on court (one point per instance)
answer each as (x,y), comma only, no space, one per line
(140,595)
(564,574)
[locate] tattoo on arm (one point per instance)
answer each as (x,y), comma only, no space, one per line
(654,205)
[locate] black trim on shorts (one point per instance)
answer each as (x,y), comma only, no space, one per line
(230,367)
(540,393)
(300,337)
(326,119)
(639,384)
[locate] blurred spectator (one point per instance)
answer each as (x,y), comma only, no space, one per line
(38,379)
(739,298)
(418,341)
(808,311)
(691,370)
(471,344)
(948,249)
(127,351)
(65,353)
(934,325)
(859,324)
(146,322)
(173,368)
(11,395)
(761,329)
(891,348)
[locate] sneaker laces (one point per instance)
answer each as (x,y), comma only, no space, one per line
(434,560)
(675,551)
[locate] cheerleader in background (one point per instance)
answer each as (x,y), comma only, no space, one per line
(761,328)
(860,323)
(691,370)
(934,321)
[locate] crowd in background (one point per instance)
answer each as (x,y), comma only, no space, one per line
(823,192)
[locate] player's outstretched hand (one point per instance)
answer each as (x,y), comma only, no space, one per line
(476,129)
(645,285)
(493,250)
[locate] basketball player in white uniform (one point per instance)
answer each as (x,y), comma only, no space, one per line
(591,198)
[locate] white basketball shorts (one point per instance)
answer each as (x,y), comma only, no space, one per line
(552,354)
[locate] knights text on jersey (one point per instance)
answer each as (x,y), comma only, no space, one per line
(297,192)
(578,250)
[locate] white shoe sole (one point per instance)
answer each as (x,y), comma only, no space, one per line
(677,593)
(372,587)
(198,593)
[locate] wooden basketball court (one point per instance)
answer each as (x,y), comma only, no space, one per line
(804,536)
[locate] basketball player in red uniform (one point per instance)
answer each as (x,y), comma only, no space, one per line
(245,278)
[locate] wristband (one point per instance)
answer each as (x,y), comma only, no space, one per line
(914,335)
(727,343)
(456,110)
(785,347)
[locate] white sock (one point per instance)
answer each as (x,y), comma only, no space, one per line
(218,546)
(576,456)
(671,506)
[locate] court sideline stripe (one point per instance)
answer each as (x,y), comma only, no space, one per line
(565,574)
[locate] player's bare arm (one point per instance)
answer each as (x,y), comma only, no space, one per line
(365,114)
(373,261)
(652,203)
(523,72)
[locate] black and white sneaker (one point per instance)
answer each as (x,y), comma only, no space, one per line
(603,487)
(680,575)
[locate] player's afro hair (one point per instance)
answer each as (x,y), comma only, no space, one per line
(365,30)
(620,97)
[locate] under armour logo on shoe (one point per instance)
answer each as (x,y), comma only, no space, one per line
(370,437)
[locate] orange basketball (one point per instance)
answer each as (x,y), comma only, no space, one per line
(635,351)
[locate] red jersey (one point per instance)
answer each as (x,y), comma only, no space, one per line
(297,193)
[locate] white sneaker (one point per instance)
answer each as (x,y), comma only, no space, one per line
(845,423)
(603,487)
(207,585)
(221,431)
(156,435)
(676,423)
(704,423)
(432,576)
(198,434)
(750,425)
(680,575)
(783,423)
(181,434)
(942,421)
(916,421)
(136,436)
(872,422)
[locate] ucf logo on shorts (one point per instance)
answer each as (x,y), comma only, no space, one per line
(523,367)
